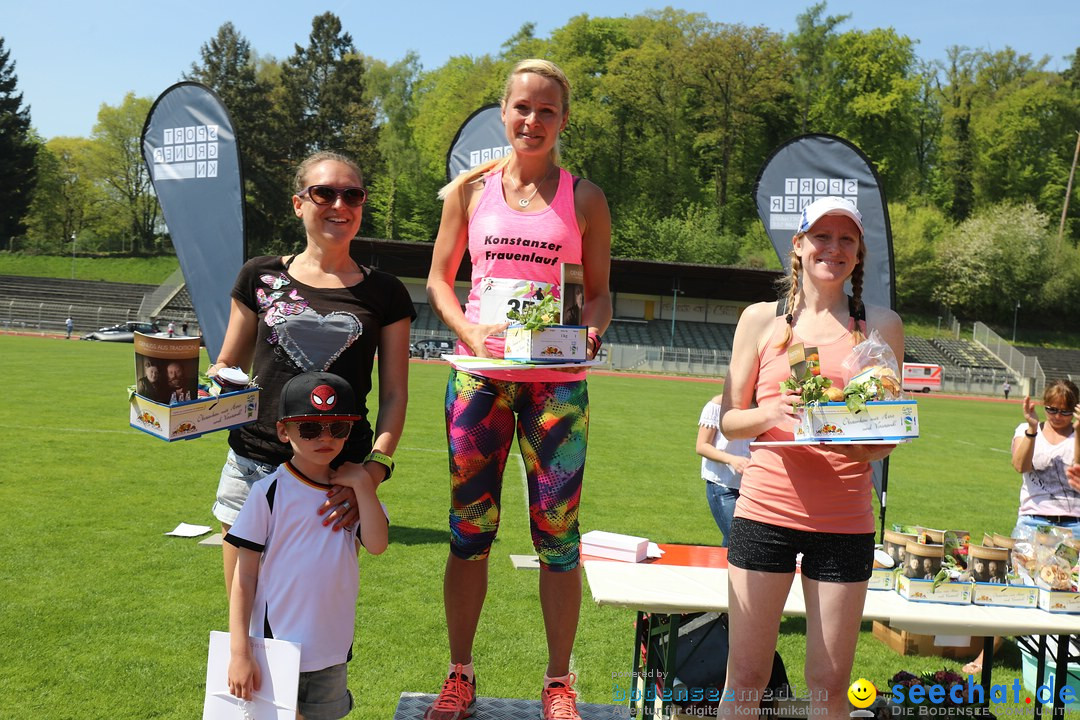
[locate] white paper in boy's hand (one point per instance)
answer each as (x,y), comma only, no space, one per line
(188,530)
(279,667)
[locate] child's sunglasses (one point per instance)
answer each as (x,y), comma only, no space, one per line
(311,430)
(327,195)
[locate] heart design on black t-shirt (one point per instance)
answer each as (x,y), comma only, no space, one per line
(315,341)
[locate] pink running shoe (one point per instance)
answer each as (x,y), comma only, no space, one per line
(456,700)
(559,701)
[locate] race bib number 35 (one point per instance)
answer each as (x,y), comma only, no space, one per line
(499,296)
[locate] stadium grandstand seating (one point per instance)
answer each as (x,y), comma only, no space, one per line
(921,350)
(428,323)
(959,359)
(1056,363)
(83,293)
(45,302)
(696,335)
(180,304)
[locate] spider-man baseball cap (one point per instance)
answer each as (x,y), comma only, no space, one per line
(317,396)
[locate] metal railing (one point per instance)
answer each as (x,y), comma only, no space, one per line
(1027,368)
(662,359)
(153,303)
(50,316)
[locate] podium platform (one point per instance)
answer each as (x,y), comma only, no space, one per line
(411,706)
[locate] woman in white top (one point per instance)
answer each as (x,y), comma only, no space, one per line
(722,464)
(1042,452)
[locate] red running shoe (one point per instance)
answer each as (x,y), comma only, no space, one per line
(456,700)
(558,701)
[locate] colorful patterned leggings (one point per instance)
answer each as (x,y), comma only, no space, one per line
(552,429)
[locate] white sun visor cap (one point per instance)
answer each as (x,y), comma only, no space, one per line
(829,205)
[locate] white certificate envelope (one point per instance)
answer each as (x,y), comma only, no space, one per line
(279,666)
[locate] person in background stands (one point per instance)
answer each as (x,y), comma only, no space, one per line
(1044,453)
(722,464)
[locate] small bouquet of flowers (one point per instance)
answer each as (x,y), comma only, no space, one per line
(871,367)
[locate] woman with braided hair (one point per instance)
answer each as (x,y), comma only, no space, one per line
(801,499)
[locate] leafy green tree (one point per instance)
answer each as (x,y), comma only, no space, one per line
(445,97)
(66,201)
(917,230)
(649,85)
(688,235)
(1025,142)
(809,44)
(929,120)
(1072,75)
(401,197)
(325,83)
(957,145)
(324,104)
(869,97)
(523,44)
(229,67)
(743,92)
(992,259)
(584,48)
(17,151)
(129,208)
(1058,293)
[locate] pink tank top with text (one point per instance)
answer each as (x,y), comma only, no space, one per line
(517,259)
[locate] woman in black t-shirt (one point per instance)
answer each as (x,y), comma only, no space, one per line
(316,310)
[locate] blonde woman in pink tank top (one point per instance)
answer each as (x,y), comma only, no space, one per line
(521,217)
(805,500)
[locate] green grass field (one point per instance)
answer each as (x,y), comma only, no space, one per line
(105,616)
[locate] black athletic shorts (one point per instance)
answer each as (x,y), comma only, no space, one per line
(827,557)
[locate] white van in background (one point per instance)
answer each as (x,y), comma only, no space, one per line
(921,377)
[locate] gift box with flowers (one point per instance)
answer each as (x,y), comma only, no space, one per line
(933,564)
(945,566)
(868,407)
(994,581)
(535,335)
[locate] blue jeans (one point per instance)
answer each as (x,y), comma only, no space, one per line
(237,477)
(722,503)
(1033,521)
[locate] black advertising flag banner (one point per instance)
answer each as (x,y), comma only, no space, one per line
(806,168)
(190,147)
(480,138)
(811,166)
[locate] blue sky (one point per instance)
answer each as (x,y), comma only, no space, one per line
(73,55)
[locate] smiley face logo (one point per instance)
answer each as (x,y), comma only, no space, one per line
(862,693)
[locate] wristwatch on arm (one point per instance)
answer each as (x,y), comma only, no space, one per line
(382,459)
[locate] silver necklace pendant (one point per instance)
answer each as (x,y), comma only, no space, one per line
(524,202)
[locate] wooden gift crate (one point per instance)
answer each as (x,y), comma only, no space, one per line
(907,643)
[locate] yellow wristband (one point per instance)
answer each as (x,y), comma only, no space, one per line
(384,460)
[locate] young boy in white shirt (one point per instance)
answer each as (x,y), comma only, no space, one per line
(294,580)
